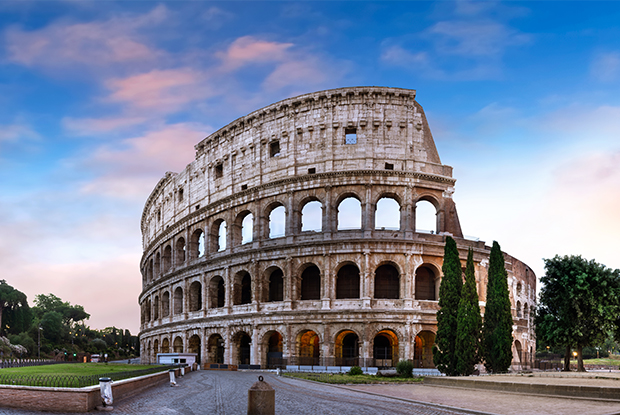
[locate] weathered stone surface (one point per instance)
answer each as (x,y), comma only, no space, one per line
(328,296)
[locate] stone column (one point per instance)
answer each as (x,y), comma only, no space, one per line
(366,287)
(255,348)
(288,285)
(327,291)
(328,214)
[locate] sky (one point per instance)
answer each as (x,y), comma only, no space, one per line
(99,99)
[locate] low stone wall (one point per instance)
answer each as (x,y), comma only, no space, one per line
(75,399)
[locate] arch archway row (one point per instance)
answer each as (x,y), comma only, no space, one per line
(308,282)
(273,347)
(278,217)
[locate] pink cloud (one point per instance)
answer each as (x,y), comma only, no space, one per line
(86,126)
(305,72)
(248,49)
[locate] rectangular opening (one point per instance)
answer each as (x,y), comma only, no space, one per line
(244,187)
(311,170)
(197,207)
(274,149)
(350,135)
(389,166)
(219,170)
(180,194)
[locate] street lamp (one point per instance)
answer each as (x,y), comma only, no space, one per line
(39,332)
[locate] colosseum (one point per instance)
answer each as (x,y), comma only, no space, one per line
(300,235)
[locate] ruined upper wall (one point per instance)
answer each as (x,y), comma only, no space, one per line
(301,136)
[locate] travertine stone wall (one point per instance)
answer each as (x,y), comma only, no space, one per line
(366,143)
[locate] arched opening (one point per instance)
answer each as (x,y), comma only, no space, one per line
(156,308)
(221,237)
(177,345)
(165,304)
(311,283)
(149,306)
(312,217)
(346,348)
(178,301)
(167,258)
(277,222)
(247,229)
(385,349)
(193,346)
(197,248)
(274,350)
(424,283)
(180,251)
(276,285)
(425,217)
(519,315)
(348,282)
(525,311)
(217,292)
(387,282)
(242,293)
(165,345)
(149,272)
(155,348)
(149,352)
(518,352)
(243,346)
(387,214)
(215,349)
(308,348)
(157,266)
(350,214)
(423,350)
(195,296)
(519,288)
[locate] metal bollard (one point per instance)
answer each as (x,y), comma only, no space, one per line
(183,370)
(261,398)
(172,380)
(105,390)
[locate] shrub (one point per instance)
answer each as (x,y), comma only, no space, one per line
(355,370)
(404,368)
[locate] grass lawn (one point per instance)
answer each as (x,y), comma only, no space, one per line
(77,369)
(341,378)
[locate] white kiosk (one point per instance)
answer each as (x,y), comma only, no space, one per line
(176,358)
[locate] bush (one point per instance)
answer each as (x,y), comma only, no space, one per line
(404,368)
(355,371)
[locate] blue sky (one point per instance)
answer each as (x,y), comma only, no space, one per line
(99,99)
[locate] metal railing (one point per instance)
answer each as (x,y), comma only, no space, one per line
(26,362)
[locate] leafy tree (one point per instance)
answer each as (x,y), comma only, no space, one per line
(444,354)
(70,313)
(579,304)
(497,327)
(13,305)
(52,326)
(469,323)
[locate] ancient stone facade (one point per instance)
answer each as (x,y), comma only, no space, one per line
(293,238)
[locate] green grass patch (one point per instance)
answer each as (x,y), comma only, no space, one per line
(75,369)
(343,379)
(608,361)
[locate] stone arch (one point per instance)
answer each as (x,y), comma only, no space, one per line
(149,305)
(525,311)
(427,214)
(387,213)
(218,236)
(519,288)
(519,315)
(347,348)
(217,292)
(273,346)
(179,254)
(149,271)
(425,282)
(349,212)
(178,301)
(165,304)
(157,265)
(307,344)
(387,281)
(156,308)
(193,346)
(276,220)
(242,348)
(243,231)
(310,283)
(274,284)
(167,258)
(165,345)
(155,348)
(242,288)
(177,345)
(195,296)
(197,244)
(385,348)
(311,215)
(348,281)
(518,356)
(423,349)
(215,349)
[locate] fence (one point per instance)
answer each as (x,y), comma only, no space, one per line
(26,362)
(74,381)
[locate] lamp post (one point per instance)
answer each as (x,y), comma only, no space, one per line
(39,332)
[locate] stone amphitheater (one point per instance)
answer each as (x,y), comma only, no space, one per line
(295,237)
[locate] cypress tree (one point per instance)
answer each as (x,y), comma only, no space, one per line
(444,355)
(469,326)
(497,328)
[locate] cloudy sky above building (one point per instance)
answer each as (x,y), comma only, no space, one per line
(99,99)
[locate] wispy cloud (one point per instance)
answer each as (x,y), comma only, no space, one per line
(605,67)
(247,50)
(90,126)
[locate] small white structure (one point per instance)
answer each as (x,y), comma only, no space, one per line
(176,358)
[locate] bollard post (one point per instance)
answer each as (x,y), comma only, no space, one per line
(105,390)
(182,370)
(172,380)
(261,398)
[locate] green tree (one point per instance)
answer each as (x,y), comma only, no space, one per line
(579,304)
(13,305)
(469,323)
(52,326)
(444,354)
(497,327)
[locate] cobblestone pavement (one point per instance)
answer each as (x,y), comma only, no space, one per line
(225,393)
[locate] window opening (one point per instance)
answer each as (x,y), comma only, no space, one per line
(247,225)
(311,283)
(348,282)
(219,170)
(350,214)
(274,149)
(244,187)
(277,219)
(350,135)
(425,217)
(387,214)
(221,237)
(389,166)
(180,194)
(312,217)
(312,170)
(197,207)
